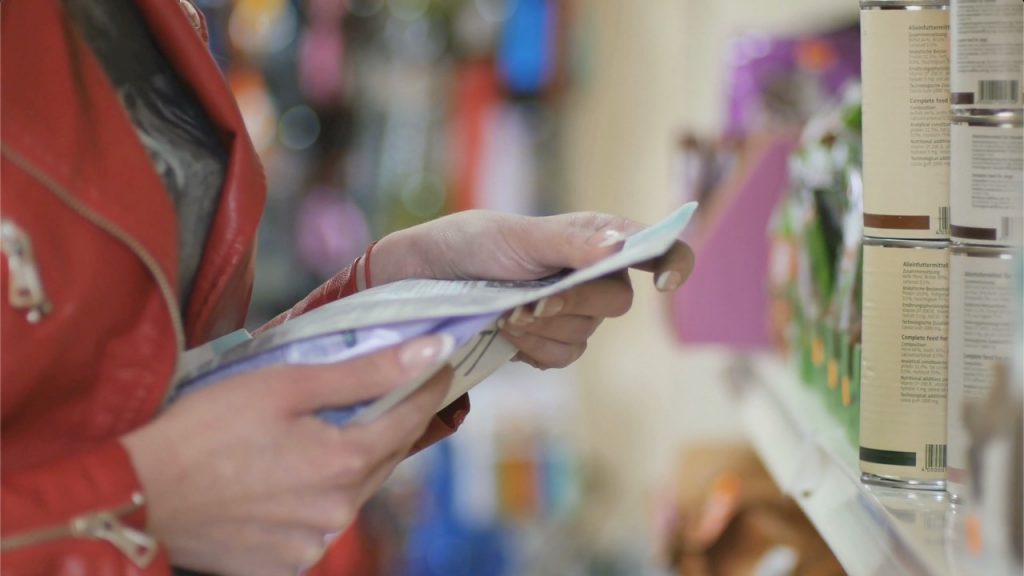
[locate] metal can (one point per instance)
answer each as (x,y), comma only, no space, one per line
(905,70)
(982,325)
(986,54)
(986,181)
(904,363)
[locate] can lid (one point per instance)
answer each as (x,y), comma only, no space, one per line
(981,251)
(998,118)
(904,4)
(902,243)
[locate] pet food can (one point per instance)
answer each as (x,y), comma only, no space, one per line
(986,49)
(903,363)
(905,70)
(982,326)
(986,192)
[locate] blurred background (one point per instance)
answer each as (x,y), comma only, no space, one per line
(373,115)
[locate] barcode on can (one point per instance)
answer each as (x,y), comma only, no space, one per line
(943,220)
(934,457)
(1007,91)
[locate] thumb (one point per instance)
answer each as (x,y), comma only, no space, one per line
(366,378)
(577,240)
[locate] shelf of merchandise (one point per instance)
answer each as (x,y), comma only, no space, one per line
(872,530)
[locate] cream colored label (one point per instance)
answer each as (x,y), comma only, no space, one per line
(987,51)
(905,68)
(903,374)
(981,335)
(987,182)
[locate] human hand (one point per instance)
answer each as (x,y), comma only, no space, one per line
(242,478)
(495,246)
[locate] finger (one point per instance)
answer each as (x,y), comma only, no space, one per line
(567,329)
(308,388)
(570,240)
(672,269)
(544,353)
(324,508)
(606,297)
(296,547)
(263,548)
(381,474)
(408,419)
(352,453)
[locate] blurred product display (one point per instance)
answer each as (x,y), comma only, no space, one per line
(816,261)
(732,519)
(910,338)
(372,116)
(776,85)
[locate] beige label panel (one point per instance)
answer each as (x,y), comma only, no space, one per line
(905,68)
(904,366)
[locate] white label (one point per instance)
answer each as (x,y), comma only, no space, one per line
(987,52)
(987,183)
(981,335)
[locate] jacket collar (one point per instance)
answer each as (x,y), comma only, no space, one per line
(233,231)
(62,116)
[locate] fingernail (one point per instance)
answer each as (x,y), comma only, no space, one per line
(668,281)
(504,326)
(520,317)
(606,238)
(426,352)
(548,307)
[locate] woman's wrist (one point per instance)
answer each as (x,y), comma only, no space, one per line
(400,255)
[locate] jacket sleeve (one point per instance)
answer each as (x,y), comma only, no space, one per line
(352,279)
(78,515)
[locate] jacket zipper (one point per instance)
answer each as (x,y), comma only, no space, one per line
(26,288)
(75,205)
(105,525)
(138,546)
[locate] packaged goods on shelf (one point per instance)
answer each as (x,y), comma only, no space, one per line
(776,83)
(987,177)
(905,71)
(904,363)
(982,287)
(816,258)
(986,54)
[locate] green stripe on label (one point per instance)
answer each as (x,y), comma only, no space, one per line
(889,457)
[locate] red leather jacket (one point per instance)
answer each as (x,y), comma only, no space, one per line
(91,326)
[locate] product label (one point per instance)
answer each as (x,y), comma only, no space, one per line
(987,49)
(981,336)
(905,68)
(904,362)
(987,183)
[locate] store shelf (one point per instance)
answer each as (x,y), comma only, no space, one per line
(872,530)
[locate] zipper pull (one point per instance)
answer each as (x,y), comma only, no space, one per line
(138,546)
(26,289)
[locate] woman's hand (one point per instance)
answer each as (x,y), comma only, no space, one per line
(242,478)
(495,246)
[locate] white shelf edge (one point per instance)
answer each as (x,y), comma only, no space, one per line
(873,531)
